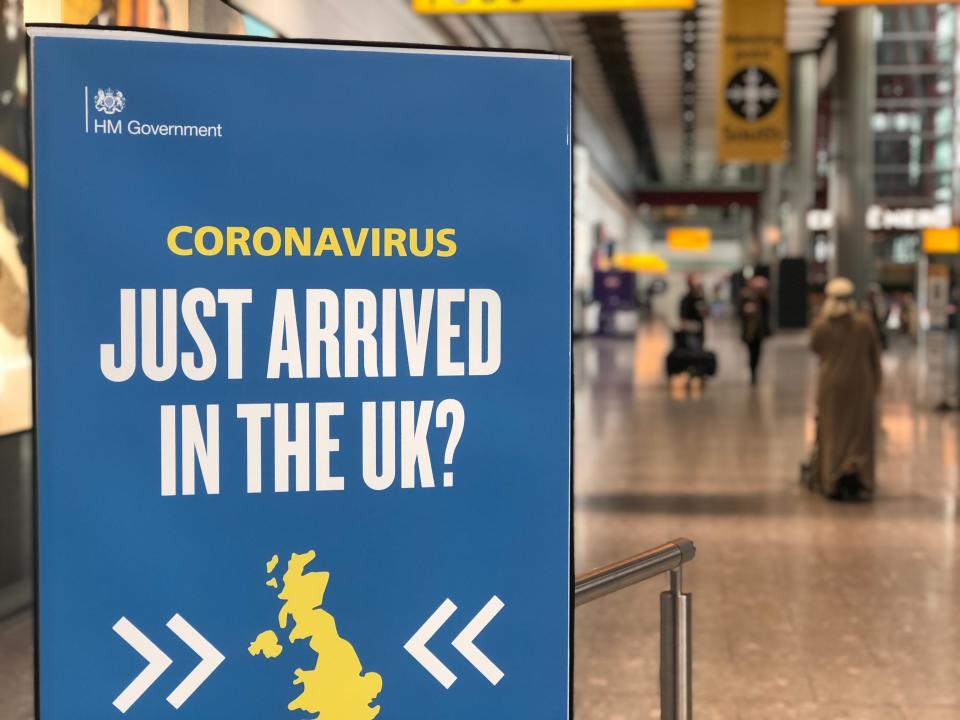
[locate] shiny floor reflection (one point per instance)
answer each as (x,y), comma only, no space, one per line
(802,608)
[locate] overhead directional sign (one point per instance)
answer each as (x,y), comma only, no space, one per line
(303,428)
(545,6)
(752,100)
(941,241)
(689,239)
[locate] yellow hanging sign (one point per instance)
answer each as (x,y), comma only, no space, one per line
(79,12)
(641,263)
(436,7)
(689,239)
(752,96)
(941,241)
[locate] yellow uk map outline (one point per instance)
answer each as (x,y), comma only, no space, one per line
(336,688)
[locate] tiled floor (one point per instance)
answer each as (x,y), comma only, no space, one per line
(16,668)
(802,609)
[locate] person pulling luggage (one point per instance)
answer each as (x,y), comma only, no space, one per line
(689,356)
(846,341)
(693,313)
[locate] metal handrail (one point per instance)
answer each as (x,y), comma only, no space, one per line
(676,697)
(608,579)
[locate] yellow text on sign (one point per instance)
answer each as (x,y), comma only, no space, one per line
(688,239)
(941,241)
(546,6)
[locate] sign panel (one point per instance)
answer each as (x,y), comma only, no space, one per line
(846,3)
(752,102)
(941,241)
(303,426)
(820,220)
(911,218)
(545,6)
(688,239)
(641,263)
(878,218)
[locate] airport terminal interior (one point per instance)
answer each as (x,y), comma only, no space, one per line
(764,330)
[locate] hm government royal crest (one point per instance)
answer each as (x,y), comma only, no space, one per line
(109,101)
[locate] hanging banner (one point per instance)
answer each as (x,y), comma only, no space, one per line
(303,420)
(752,102)
(461,7)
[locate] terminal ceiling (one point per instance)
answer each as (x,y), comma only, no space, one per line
(630,68)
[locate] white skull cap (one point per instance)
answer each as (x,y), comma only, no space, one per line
(840,287)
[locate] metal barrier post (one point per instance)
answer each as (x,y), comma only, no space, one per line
(676,691)
(676,697)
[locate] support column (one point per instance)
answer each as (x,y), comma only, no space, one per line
(803,168)
(749,230)
(791,273)
(851,181)
(770,212)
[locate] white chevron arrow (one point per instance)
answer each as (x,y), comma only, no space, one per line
(464,641)
(417,644)
(158,662)
(210,659)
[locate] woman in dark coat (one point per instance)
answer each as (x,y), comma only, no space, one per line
(848,382)
(754,321)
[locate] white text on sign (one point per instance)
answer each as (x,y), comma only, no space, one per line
(322,334)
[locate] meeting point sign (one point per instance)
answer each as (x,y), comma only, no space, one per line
(303,411)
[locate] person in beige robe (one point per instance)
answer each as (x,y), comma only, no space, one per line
(848,382)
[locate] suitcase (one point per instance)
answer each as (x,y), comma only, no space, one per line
(689,356)
(697,363)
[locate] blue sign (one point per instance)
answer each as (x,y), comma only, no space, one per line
(303,379)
